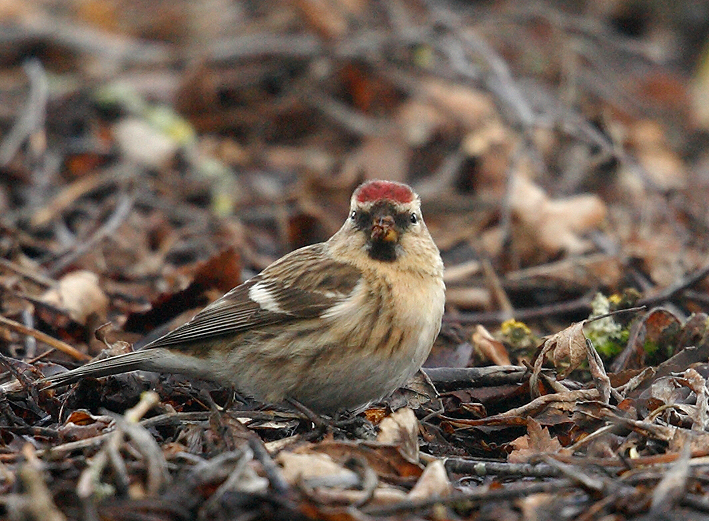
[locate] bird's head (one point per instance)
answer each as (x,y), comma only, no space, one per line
(385,222)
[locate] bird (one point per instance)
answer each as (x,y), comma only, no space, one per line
(333,326)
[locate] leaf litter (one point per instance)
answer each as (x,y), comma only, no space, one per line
(155,156)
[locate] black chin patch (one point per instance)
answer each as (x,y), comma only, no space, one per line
(382,251)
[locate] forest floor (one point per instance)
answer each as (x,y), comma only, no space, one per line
(153,155)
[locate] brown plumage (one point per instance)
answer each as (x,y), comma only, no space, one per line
(333,325)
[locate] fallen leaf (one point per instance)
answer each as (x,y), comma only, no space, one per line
(537,441)
(570,347)
(401,429)
(569,343)
(470,107)
(377,154)
(661,164)
(386,460)
(491,348)
(654,336)
(598,372)
(302,466)
(82,424)
(79,294)
(555,224)
(433,482)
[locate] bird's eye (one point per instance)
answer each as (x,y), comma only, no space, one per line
(414,218)
(353,215)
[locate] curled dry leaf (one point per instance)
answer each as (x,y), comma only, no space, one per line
(491,348)
(329,22)
(598,373)
(654,153)
(418,392)
(81,425)
(388,461)
(401,429)
(420,121)
(658,330)
(569,343)
(570,347)
(79,294)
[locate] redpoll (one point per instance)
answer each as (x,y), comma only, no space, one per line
(334,325)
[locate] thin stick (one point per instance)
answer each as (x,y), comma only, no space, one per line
(27,273)
(43,337)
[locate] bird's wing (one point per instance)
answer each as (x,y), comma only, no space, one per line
(301,285)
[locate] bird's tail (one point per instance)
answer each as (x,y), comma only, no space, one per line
(137,360)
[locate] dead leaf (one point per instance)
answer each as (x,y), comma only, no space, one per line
(82,424)
(537,441)
(555,225)
(433,482)
(570,347)
(662,164)
(302,466)
(570,343)
(470,107)
(326,498)
(221,272)
(79,294)
(491,348)
(387,461)
(421,121)
(378,154)
(401,429)
(418,392)
(468,297)
(598,372)
(324,17)
(657,331)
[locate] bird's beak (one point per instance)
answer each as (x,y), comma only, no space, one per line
(384,230)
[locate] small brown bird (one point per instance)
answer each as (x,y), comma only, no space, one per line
(333,325)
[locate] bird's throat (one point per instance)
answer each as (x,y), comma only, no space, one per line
(384,251)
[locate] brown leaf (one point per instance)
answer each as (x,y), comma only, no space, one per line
(469,106)
(490,347)
(386,460)
(418,392)
(221,272)
(82,425)
(569,343)
(554,225)
(537,441)
(401,429)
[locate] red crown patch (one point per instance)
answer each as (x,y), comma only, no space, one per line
(377,190)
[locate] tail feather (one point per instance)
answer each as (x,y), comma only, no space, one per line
(137,360)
